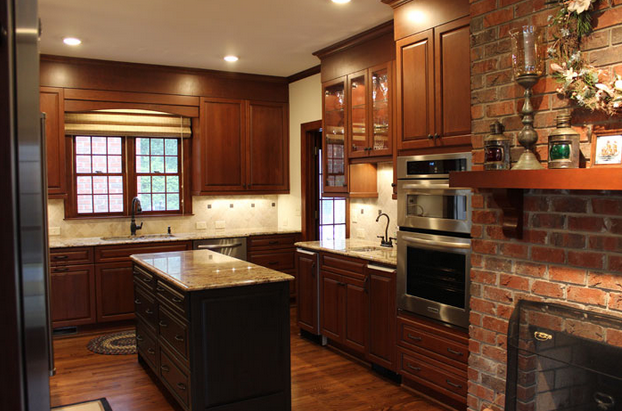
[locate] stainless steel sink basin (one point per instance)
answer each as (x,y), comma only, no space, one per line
(139,237)
(368,249)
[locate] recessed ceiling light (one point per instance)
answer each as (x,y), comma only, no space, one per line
(231,59)
(341,1)
(72,41)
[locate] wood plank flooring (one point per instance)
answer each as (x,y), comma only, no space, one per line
(322,379)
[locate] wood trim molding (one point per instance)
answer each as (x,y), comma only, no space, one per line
(380,30)
(308,188)
(304,74)
(123,96)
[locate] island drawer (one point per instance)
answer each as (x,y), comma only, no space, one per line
(147,346)
(414,335)
(268,242)
(275,260)
(172,298)
(145,306)
(143,277)
(174,377)
(174,332)
(74,255)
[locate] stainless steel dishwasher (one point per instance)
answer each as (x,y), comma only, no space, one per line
(233,247)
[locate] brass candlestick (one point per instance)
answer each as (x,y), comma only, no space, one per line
(528,62)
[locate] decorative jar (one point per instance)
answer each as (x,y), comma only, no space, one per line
(564,147)
(497,148)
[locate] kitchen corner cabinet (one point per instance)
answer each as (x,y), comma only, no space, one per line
(52,103)
(434,87)
(242,148)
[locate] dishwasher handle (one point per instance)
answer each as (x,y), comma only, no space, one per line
(217,246)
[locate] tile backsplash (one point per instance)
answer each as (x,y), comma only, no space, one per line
(235,211)
(363,225)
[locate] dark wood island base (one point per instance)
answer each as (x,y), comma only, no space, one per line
(219,348)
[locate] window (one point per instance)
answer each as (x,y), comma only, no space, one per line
(332,214)
(110,171)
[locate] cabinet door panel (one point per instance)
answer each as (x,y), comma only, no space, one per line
(382,319)
(453,95)
(115,291)
(306,294)
(223,142)
(72,295)
(356,317)
(334,126)
(415,82)
(268,142)
(53,105)
(332,318)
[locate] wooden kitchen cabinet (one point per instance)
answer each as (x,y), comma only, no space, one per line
(433,87)
(72,297)
(382,316)
(52,103)
(334,121)
(243,146)
(114,290)
(276,252)
(307,291)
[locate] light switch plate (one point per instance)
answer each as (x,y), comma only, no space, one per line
(220,224)
(201,225)
(360,233)
(54,231)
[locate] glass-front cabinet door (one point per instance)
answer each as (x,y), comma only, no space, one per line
(359,114)
(335,170)
(380,129)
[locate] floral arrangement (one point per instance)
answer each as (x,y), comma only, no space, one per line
(583,83)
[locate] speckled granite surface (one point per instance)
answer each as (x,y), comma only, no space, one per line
(59,242)
(366,250)
(204,269)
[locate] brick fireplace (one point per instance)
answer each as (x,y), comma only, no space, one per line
(571,250)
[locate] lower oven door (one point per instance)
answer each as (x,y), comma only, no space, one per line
(433,276)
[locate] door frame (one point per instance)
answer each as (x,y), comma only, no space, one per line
(309,190)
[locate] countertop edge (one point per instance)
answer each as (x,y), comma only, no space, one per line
(360,255)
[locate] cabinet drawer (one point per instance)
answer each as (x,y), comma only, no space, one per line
(113,253)
(66,256)
(430,374)
(144,278)
(145,306)
(414,337)
(352,267)
(271,241)
(174,377)
(173,331)
(283,260)
(147,346)
(171,298)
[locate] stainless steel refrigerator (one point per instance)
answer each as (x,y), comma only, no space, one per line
(25,341)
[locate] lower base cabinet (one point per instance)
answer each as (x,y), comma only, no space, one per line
(72,296)
(114,291)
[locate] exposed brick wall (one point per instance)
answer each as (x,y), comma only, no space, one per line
(571,251)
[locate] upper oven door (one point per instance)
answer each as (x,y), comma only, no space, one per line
(433,205)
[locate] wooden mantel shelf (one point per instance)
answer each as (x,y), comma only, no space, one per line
(560,179)
(508,187)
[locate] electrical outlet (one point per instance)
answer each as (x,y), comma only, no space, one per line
(360,233)
(297,211)
(353,218)
(220,224)
(285,222)
(201,225)
(54,231)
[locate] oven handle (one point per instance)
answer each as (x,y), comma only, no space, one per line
(445,244)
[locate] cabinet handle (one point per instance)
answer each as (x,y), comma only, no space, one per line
(176,299)
(417,369)
(393,185)
(430,136)
(181,386)
(137,302)
(165,368)
(273,263)
(139,338)
(454,352)
(160,289)
(148,311)
(453,384)
(146,279)
(61,269)
(273,242)
(151,351)
(163,324)
(366,284)
(414,338)
(436,136)
(179,338)
(61,257)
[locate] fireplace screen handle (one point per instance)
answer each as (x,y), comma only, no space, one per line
(605,401)
(541,336)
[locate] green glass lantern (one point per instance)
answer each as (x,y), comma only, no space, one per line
(564,145)
(497,148)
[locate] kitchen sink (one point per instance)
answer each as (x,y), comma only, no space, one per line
(139,237)
(368,249)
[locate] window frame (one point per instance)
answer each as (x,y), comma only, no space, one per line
(130,182)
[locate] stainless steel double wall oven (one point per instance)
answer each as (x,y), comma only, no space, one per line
(434,238)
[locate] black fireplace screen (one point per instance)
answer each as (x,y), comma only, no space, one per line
(561,358)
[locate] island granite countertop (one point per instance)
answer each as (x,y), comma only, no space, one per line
(203,269)
(363,249)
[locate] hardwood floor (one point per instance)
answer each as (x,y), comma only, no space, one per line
(322,379)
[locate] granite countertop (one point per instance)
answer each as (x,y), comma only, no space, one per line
(59,242)
(366,250)
(204,269)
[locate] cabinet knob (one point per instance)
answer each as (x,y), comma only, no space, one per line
(430,136)
(436,136)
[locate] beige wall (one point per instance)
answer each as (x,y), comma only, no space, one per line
(305,105)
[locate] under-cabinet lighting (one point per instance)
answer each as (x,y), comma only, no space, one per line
(72,41)
(231,59)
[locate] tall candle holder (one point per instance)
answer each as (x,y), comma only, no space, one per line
(528,57)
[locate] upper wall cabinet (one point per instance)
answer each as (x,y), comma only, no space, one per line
(334,163)
(242,147)
(52,104)
(433,87)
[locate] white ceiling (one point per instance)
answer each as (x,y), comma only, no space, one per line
(274,37)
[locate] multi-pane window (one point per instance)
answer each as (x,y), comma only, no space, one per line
(99,175)
(157,173)
(107,176)
(332,214)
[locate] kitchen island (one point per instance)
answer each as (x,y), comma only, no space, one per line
(214,330)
